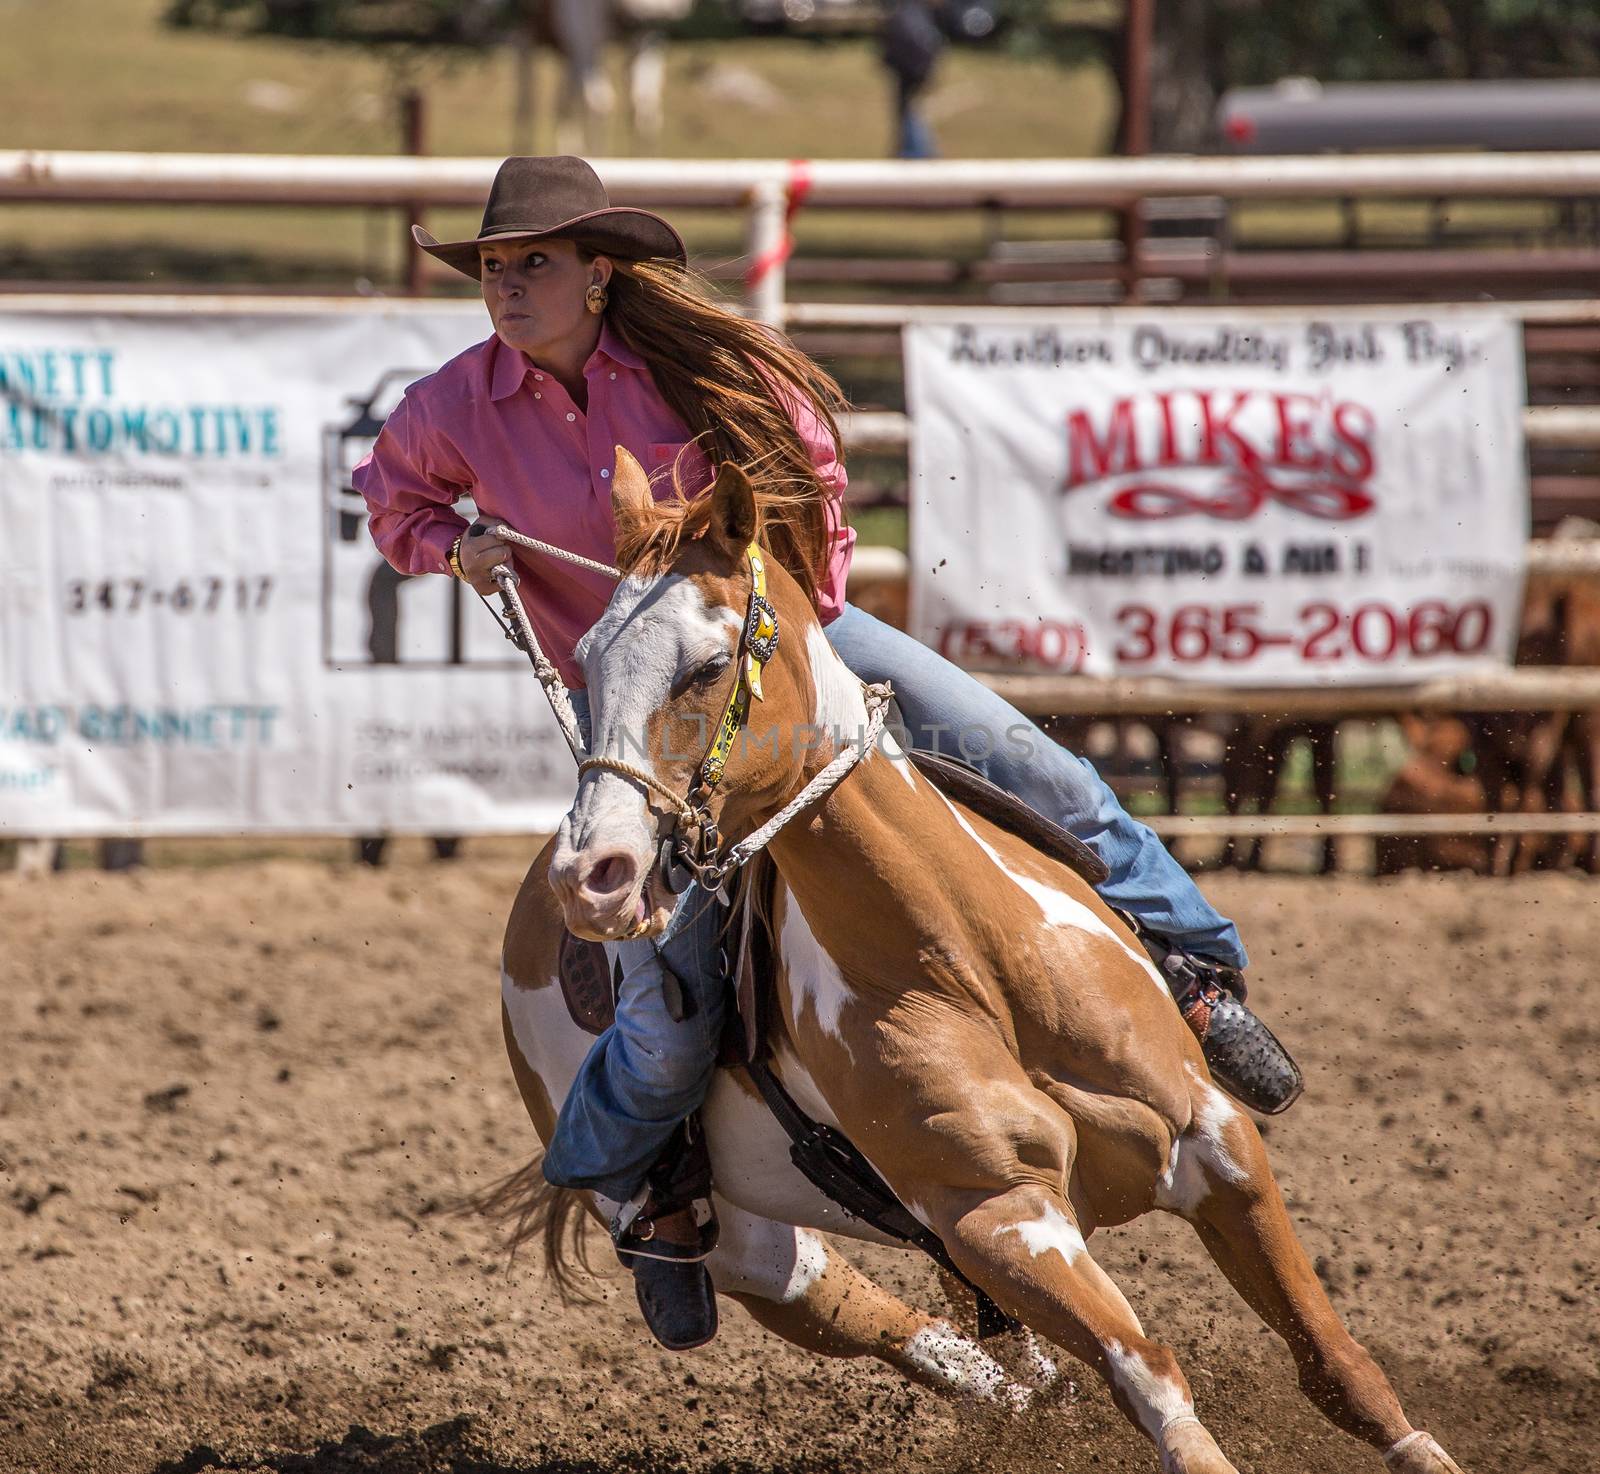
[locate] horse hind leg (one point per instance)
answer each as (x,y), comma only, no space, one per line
(1220,1182)
(1023,1245)
(794,1284)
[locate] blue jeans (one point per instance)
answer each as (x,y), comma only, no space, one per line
(651,1069)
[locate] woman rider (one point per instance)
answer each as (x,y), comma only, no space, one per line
(602,339)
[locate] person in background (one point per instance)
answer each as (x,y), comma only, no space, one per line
(913,42)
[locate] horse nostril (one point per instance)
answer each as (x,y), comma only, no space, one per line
(610,874)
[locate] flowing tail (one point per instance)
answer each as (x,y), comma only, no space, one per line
(536,1210)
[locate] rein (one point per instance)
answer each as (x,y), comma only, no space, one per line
(690,852)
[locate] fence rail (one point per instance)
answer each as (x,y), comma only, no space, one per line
(769,190)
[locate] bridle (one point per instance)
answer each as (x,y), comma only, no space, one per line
(692,850)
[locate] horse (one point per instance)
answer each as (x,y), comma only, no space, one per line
(983,1028)
(578,31)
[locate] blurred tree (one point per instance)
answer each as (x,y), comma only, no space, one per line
(420,22)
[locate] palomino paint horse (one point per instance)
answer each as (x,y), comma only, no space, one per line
(967,1011)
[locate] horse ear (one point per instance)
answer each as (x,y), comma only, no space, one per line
(631,497)
(733,509)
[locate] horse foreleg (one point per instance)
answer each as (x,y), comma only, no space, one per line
(1221,1183)
(796,1285)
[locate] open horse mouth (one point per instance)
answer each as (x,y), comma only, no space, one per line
(612,898)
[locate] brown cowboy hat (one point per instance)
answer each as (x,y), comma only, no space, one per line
(558,198)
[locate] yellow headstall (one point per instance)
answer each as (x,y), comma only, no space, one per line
(758,643)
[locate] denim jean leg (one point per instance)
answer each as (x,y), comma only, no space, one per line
(649,1069)
(946,710)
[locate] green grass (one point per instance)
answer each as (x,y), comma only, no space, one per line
(105,74)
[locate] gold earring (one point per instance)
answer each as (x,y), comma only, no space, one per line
(595,299)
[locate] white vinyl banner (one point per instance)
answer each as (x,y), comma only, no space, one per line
(196,633)
(1248,500)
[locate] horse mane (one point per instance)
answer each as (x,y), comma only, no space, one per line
(650,540)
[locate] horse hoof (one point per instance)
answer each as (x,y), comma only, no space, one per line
(1419,1453)
(1187,1448)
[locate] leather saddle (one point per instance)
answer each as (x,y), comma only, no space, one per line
(588,982)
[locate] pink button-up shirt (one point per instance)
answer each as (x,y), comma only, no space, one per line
(491,426)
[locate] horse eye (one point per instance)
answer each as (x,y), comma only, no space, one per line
(712,670)
(705,674)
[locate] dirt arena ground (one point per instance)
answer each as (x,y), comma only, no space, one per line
(236,1104)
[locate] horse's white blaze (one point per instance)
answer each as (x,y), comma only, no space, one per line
(1155,1400)
(943,1353)
(1059,909)
(814,977)
(1052,1229)
(653,630)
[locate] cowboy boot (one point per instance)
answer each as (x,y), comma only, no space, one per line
(664,1235)
(1242,1053)
(670,1281)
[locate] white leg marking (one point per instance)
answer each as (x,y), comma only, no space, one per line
(1039,1366)
(942,1352)
(810,1260)
(1059,908)
(814,976)
(1156,1401)
(1052,1229)
(761,1257)
(1421,1442)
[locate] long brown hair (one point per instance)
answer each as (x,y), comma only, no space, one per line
(727,378)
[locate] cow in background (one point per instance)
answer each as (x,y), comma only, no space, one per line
(1442,775)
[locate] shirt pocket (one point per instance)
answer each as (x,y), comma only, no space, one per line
(689,460)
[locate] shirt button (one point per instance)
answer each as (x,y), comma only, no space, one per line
(613,374)
(539,377)
(570,415)
(605,475)
(537,394)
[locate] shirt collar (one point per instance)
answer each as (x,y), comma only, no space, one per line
(616,350)
(507,371)
(510,367)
